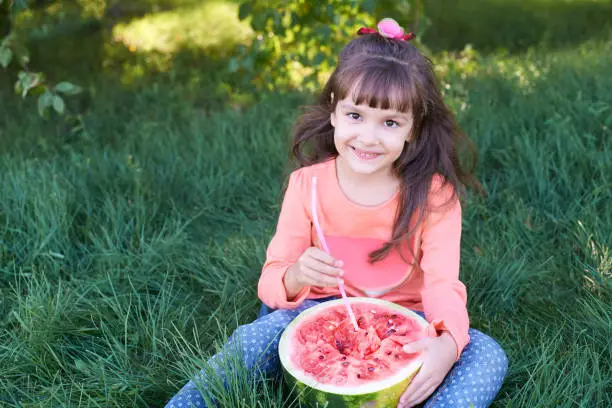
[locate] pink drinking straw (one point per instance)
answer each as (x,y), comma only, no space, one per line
(322,240)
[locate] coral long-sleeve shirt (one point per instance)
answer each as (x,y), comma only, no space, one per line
(355,230)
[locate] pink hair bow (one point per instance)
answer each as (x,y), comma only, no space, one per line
(389,28)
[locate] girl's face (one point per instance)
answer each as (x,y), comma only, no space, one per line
(369,140)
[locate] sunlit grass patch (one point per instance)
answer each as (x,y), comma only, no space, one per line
(207,25)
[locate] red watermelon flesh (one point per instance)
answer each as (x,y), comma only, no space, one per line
(330,350)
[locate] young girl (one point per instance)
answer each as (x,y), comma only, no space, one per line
(382,147)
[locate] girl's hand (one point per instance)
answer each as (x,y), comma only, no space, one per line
(439,355)
(314,268)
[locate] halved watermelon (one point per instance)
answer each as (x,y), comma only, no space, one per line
(329,364)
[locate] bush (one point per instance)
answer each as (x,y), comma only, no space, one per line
(297,43)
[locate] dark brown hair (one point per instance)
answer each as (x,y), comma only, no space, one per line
(392,74)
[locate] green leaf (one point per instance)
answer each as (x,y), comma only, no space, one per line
(58,104)
(318,58)
(329,13)
(245,10)
(324,32)
(259,22)
(233,65)
(6,56)
(44,101)
(369,6)
(67,88)
(28,81)
(295,19)
(277,24)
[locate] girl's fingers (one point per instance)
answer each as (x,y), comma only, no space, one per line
(413,389)
(419,383)
(417,346)
(321,267)
(324,257)
(319,279)
(419,397)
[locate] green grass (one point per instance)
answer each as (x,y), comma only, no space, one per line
(130,248)
(515,25)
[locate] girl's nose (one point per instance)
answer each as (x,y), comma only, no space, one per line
(367,136)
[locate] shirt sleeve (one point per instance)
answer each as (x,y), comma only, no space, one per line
(291,239)
(444,296)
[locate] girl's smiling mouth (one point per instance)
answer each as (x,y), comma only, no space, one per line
(365,155)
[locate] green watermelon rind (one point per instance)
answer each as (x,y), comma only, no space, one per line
(310,397)
(381,394)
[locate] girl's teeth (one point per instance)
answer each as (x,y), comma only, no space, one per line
(366,155)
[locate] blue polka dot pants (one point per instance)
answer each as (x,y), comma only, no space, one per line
(473,381)
(475,378)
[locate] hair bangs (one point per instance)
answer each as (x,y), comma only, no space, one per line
(379,84)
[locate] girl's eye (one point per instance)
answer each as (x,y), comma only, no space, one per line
(391,123)
(354,115)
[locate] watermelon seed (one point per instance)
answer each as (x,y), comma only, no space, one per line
(358,375)
(344,357)
(321,357)
(345,363)
(394,316)
(390,332)
(388,353)
(371,369)
(340,346)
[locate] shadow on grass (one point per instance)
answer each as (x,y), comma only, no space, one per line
(515,25)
